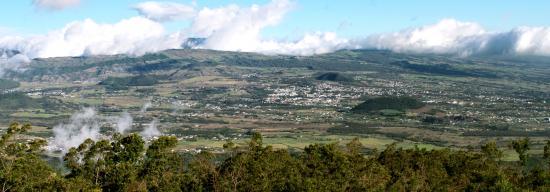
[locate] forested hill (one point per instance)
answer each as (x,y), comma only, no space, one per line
(126,163)
(83,68)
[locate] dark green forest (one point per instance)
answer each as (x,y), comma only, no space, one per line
(128,163)
(8,84)
(395,103)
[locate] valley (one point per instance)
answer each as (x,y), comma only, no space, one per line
(206,98)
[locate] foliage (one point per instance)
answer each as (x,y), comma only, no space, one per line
(333,76)
(521,147)
(443,69)
(124,163)
(18,100)
(21,168)
(8,84)
(122,83)
(392,102)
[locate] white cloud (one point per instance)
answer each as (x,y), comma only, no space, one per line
(134,36)
(164,11)
(11,62)
(55,4)
(83,125)
(232,28)
(238,29)
(229,28)
(531,40)
(446,36)
(310,44)
(450,36)
(208,21)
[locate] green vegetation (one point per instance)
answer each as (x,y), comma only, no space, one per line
(443,69)
(19,100)
(352,128)
(388,103)
(21,168)
(333,76)
(8,84)
(122,83)
(124,163)
(204,97)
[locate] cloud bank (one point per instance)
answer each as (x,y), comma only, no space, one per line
(234,28)
(54,4)
(11,60)
(450,36)
(228,28)
(135,36)
(164,11)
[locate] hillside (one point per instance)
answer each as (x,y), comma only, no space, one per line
(394,103)
(206,97)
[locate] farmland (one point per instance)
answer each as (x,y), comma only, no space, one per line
(206,98)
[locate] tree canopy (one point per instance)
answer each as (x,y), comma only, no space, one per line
(129,163)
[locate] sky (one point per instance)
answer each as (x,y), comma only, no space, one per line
(350,18)
(57,28)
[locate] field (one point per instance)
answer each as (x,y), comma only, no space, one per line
(208,97)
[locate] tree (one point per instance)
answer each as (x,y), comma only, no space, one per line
(491,150)
(521,146)
(21,168)
(163,169)
(546,153)
(109,164)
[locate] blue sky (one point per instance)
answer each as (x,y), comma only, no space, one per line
(349,18)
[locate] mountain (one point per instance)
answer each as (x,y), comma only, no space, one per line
(7,53)
(231,92)
(194,42)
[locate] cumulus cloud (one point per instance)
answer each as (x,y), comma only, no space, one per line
(232,28)
(238,29)
(134,36)
(55,4)
(531,40)
(446,36)
(164,11)
(235,28)
(450,36)
(229,28)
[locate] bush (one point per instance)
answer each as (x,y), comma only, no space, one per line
(381,103)
(8,84)
(122,83)
(333,76)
